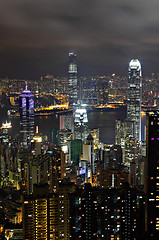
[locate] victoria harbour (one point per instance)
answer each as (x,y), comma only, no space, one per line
(105,121)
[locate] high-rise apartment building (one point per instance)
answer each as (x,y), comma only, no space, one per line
(46,215)
(72,81)
(64,218)
(48,168)
(26,101)
(104,213)
(134,96)
(152,175)
(40,215)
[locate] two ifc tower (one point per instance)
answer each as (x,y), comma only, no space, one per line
(133,100)
(133,96)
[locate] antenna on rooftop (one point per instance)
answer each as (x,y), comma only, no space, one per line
(26,85)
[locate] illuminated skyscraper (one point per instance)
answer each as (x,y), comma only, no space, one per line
(134,96)
(26,101)
(80,124)
(72,81)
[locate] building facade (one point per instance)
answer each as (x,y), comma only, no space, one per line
(152,175)
(104,213)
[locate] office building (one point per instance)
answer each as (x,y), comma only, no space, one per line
(152,175)
(80,124)
(75,150)
(65,136)
(26,101)
(131,151)
(123,129)
(54,136)
(134,96)
(72,81)
(36,143)
(90,143)
(5,132)
(95,134)
(66,122)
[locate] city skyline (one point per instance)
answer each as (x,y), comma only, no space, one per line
(36,38)
(85,75)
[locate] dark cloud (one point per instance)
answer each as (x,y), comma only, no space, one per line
(36,36)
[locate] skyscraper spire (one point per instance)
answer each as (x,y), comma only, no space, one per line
(26,85)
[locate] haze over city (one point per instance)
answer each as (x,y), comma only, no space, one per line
(36,36)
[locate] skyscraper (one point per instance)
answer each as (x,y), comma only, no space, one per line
(80,123)
(26,102)
(134,96)
(72,81)
(152,175)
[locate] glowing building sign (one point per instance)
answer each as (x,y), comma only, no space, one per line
(82,171)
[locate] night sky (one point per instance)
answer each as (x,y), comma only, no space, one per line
(37,35)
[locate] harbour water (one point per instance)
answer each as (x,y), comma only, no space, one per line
(105,121)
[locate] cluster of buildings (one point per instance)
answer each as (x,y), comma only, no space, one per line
(74,186)
(91,90)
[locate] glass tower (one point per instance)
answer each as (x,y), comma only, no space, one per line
(134,96)
(26,101)
(72,81)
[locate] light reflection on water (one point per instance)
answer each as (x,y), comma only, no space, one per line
(105,121)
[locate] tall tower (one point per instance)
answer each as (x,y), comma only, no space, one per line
(36,142)
(72,81)
(134,96)
(152,175)
(26,101)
